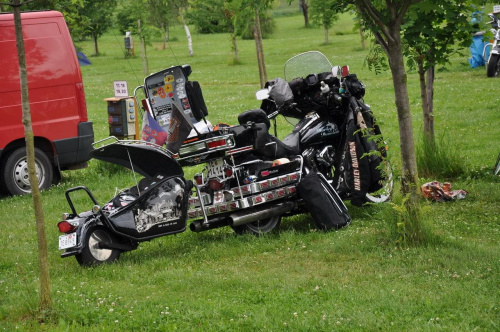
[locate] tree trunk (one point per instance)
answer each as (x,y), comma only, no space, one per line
(326,34)
(43,261)
(409,179)
(259,60)
(96,49)
(190,41)
(426,93)
(260,49)
(235,48)
(164,36)
(145,65)
(188,33)
(423,87)
(362,35)
(429,115)
(305,12)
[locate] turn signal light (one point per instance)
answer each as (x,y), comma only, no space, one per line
(65,227)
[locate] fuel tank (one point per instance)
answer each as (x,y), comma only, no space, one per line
(313,130)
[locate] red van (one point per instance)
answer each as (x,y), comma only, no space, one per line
(63,134)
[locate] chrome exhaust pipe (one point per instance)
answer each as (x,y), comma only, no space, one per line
(199,225)
(259,213)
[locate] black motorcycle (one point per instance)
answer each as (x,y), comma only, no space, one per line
(250,178)
(334,130)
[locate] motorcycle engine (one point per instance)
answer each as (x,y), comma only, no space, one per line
(309,158)
(315,159)
(326,156)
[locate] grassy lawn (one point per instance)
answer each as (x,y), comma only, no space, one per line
(298,279)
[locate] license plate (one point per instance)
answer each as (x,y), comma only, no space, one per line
(215,168)
(67,241)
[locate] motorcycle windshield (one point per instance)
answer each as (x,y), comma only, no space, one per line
(303,64)
(144,159)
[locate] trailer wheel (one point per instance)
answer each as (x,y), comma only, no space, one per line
(92,254)
(14,172)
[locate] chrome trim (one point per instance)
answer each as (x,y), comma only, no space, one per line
(183,154)
(201,203)
(192,148)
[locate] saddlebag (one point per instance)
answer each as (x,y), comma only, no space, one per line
(323,202)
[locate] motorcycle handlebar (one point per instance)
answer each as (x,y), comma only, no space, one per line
(300,84)
(297,85)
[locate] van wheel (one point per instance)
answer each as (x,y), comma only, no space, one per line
(15,172)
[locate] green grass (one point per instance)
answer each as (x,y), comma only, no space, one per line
(298,279)
(440,159)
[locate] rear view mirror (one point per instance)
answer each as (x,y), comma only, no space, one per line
(262,94)
(336,71)
(345,71)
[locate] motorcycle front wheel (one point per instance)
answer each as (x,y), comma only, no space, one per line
(92,254)
(493,66)
(384,193)
(259,227)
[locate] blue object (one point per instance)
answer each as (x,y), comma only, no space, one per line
(82,59)
(476,51)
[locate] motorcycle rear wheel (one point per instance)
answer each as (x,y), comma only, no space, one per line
(92,254)
(384,194)
(493,66)
(259,227)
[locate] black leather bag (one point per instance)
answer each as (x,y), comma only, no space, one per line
(196,99)
(323,202)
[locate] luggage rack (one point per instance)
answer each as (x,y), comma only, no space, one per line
(262,190)
(205,149)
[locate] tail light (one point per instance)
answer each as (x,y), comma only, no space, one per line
(215,184)
(228,172)
(66,227)
(216,144)
(199,179)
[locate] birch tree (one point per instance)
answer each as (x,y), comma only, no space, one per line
(181,7)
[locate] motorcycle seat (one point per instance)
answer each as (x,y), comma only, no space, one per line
(282,150)
(276,150)
(292,140)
